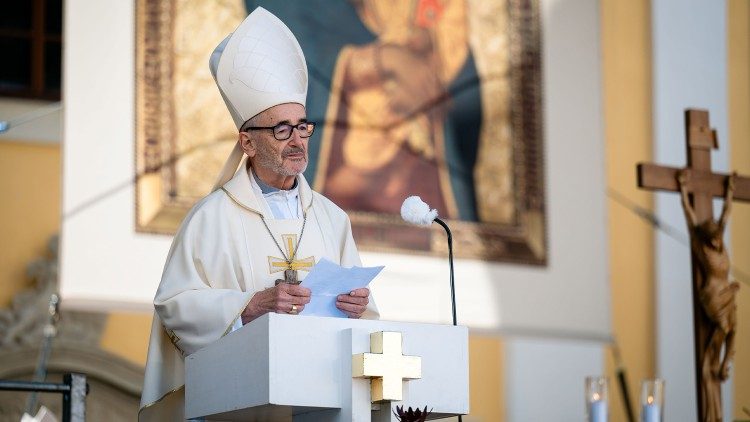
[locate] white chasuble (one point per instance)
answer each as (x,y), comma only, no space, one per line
(221,256)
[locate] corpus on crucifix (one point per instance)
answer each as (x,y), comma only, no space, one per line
(714,308)
(717,296)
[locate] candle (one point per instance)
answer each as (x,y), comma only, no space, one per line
(651,412)
(597,410)
(596,399)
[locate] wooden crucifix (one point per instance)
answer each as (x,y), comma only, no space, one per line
(714,309)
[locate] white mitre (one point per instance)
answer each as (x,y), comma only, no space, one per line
(256,67)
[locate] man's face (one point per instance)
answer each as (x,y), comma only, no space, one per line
(284,158)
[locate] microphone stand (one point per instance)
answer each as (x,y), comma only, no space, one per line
(450,261)
(620,371)
(453,287)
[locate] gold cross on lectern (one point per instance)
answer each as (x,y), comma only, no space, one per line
(386,366)
(276,264)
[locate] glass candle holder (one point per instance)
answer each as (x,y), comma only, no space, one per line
(652,400)
(597,399)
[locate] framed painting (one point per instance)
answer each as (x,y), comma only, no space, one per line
(436,98)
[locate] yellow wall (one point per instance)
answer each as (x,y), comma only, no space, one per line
(486,390)
(738,18)
(126,335)
(30,211)
(626,69)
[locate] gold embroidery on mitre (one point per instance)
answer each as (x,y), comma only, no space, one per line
(276,264)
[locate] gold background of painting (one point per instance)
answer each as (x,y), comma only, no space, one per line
(184,132)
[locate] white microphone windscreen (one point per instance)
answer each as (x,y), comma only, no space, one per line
(416,211)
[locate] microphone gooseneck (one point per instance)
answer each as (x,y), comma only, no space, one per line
(450,262)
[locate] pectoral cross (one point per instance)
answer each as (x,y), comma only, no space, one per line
(292,265)
(704,186)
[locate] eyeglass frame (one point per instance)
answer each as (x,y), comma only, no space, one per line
(291,131)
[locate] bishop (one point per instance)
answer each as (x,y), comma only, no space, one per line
(222,269)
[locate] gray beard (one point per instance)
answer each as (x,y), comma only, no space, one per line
(270,162)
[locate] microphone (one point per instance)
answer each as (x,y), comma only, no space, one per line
(417,212)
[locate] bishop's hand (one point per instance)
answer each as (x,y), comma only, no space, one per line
(355,303)
(284,298)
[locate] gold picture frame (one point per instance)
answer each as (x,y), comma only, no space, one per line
(183,132)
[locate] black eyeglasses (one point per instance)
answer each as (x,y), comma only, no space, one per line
(283,131)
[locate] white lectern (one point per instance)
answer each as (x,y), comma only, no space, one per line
(298,368)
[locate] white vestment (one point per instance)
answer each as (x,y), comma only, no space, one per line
(221,256)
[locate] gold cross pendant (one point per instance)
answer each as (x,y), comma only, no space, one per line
(290,268)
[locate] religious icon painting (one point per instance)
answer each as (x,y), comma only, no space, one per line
(436,98)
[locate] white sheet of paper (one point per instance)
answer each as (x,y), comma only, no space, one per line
(328,280)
